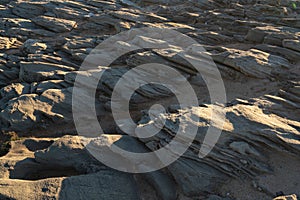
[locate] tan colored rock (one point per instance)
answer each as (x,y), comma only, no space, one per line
(289,197)
(255,45)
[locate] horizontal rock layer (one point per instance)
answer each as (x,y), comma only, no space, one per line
(255,46)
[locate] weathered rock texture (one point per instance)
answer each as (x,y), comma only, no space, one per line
(256,47)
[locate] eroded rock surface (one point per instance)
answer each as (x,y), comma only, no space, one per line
(255,45)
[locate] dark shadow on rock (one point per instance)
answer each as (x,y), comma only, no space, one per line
(29,169)
(34,145)
(4,197)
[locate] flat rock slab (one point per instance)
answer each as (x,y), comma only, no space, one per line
(55,24)
(106,184)
(40,71)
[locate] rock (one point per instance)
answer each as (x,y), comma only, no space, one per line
(68,152)
(75,186)
(100,149)
(8,23)
(71,13)
(255,45)
(34,114)
(50,176)
(7,43)
(105,22)
(34,46)
(79,187)
(292,44)
(243,148)
(12,91)
(27,9)
(254,62)
(163,184)
(14,189)
(55,24)
(26,115)
(39,71)
(189,176)
(8,75)
(51,84)
(292,22)
(289,54)
(271,35)
(29,32)
(191,168)
(289,197)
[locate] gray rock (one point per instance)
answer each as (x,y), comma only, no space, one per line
(8,23)
(287,53)
(254,62)
(51,84)
(292,44)
(25,32)
(34,46)
(9,92)
(27,10)
(8,75)
(110,185)
(55,24)
(255,45)
(191,173)
(68,152)
(39,71)
(37,114)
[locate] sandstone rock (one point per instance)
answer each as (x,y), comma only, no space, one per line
(289,54)
(292,44)
(254,62)
(68,152)
(14,189)
(55,24)
(8,75)
(12,91)
(271,35)
(249,159)
(34,46)
(255,45)
(289,197)
(7,43)
(292,22)
(73,187)
(29,32)
(39,71)
(34,114)
(27,9)
(79,187)
(51,84)
(8,23)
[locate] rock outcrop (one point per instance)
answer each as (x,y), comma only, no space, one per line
(254,44)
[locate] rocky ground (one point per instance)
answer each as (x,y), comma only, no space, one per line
(256,46)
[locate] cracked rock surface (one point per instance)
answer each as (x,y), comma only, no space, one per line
(256,47)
